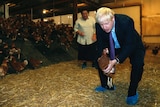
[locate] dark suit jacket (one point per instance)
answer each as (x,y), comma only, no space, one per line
(128,38)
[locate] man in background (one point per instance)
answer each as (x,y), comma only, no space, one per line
(85,29)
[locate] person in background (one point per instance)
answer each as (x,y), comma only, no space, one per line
(85,29)
(127,44)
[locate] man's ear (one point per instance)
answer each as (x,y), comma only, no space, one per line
(113,19)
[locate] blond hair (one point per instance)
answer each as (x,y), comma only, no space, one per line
(104,14)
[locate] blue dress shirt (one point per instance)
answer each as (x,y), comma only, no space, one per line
(115,37)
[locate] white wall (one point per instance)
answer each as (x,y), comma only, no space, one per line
(133,12)
(6,11)
(150,21)
(2,10)
(65,19)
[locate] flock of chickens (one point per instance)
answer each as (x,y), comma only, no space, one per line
(154,49)
(41,34)
(12,60)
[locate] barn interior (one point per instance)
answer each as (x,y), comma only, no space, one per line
(53,76)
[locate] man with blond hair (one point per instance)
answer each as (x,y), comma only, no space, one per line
(127,44)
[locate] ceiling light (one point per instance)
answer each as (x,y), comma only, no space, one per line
(11,4)
(81,4)
(45,11)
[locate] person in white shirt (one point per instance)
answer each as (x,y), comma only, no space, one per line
(86,38)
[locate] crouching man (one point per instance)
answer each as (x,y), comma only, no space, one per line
(127,43)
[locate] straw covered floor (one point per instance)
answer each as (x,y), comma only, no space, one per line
(65,84)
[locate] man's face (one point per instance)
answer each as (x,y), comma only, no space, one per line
(107,25)
(85,14)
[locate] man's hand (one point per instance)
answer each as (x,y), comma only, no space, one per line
(110,67)
(94,38)
(80,33)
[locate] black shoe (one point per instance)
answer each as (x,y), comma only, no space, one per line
(84,65)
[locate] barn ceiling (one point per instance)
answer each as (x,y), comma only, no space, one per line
(51,7)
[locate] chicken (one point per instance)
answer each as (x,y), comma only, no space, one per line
(48,41)
(18,66)
(155,50)
(15,51)
(4,68)
(34,62)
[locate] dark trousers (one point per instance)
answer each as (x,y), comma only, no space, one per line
(137,62)
(87,52)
